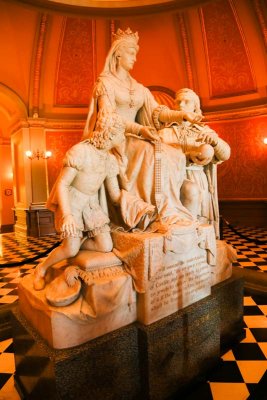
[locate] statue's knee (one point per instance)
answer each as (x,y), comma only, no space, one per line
(70,250)
(108,246)
(104,243)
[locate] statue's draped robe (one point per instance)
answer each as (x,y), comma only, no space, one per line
(137,158)
(204,176)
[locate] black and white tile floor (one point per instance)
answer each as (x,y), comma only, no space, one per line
(14,249)
(242,372)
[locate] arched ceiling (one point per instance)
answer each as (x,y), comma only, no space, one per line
(218,48)
(114,8)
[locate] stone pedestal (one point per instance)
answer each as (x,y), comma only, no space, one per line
(104,368)
(134,362)
(229,295)
(177,349)
(63,327)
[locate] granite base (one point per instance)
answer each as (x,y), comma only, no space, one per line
(229,295)
(177,349)
(103,368)
(140,362)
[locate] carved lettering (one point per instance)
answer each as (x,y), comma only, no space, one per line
(177,286)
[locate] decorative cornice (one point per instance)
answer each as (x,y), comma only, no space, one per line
(249,112)
(20,124)
(64,125)
(48,124)
(243,199)
(55,124)
(112,9)
(258,6)
(4,141)
(186,51)
(38,64)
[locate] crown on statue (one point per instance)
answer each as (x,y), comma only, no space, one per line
(126,35)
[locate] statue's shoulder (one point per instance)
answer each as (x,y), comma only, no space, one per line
(104,84)
(75,155)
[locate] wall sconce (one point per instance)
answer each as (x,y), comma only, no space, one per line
(38,154)
(265,140)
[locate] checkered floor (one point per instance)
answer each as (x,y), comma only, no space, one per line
(16,250)
(250,254)
(242,373)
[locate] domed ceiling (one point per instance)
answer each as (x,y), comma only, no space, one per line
(53,50)
(53,56)
(112,7)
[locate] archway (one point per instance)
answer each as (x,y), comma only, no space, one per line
(12,110)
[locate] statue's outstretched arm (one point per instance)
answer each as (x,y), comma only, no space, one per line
(167,115)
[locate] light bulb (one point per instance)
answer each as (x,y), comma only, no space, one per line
(48,154)
(28,153)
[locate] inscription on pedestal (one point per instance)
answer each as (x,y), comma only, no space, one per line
(178,285)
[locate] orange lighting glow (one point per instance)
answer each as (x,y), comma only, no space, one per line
(38,154)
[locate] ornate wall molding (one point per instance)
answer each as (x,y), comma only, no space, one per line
(112,8)
(48,124)
(244,174)
(5,141)
(249,112)
(22,123)
(58,124)
(230,71)
(38,60)
(186,51)
(258,6)
(76,63)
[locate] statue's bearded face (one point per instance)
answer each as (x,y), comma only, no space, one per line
(185,102)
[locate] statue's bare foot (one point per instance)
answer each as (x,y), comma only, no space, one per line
(39,278)
(71,275)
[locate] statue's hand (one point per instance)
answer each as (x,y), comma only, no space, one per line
(192,117)
(201,158)
(68,225)
(210,137)
(200,161)
(149,133)
(71,275)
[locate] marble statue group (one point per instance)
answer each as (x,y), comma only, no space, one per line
(135,203)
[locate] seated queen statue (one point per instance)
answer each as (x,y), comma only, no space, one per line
(125,158)
(142,154)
